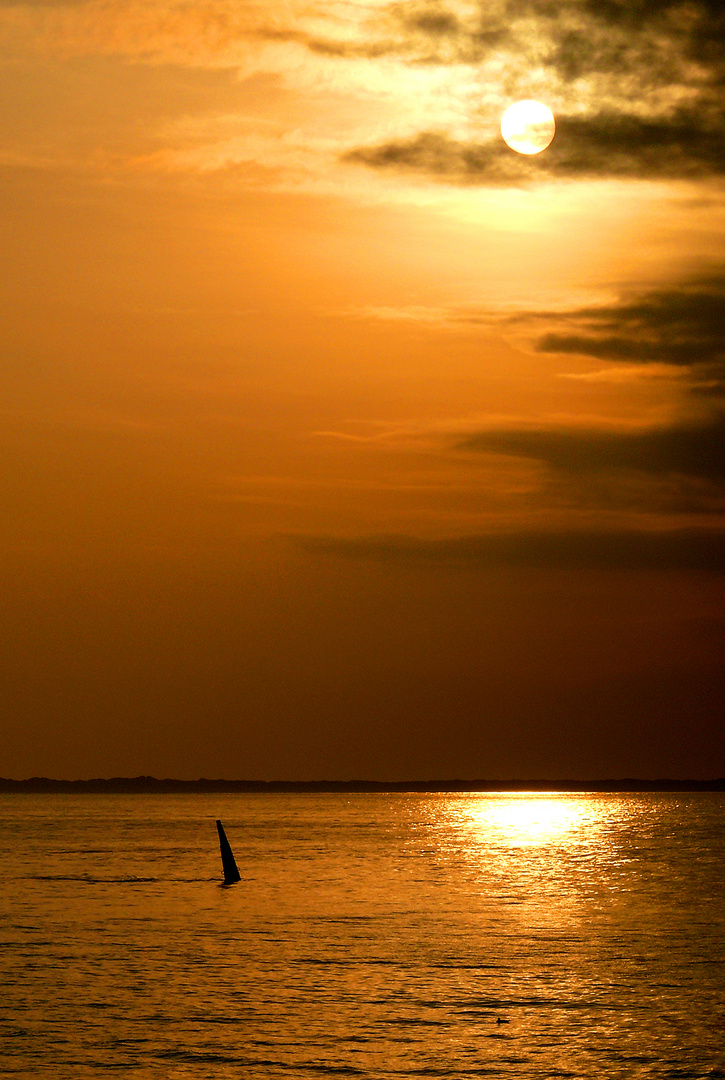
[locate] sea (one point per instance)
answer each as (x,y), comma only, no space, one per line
(375,935)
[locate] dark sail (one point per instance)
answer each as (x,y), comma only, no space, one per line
(231,874)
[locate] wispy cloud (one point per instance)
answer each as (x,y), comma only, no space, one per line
(627,374)
(242,34)
(680,330)
(677,549)
(415,313)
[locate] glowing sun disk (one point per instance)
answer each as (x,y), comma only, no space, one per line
(528,127)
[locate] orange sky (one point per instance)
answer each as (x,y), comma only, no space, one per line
(338,439)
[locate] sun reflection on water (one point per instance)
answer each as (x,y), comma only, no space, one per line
(523,820)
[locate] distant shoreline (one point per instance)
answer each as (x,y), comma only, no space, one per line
(149,785)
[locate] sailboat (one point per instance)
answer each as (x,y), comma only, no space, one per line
(231,873)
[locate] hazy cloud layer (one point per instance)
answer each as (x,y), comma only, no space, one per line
(680,549)
(206,33)
(636,89)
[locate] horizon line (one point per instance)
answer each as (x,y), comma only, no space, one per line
(149,784)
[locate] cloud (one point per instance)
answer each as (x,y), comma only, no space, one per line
(684,325)
(211,33)
(672,333)
(636,89)
(686,144)
(635,86)
(677,465)
(204,34)
(696,450)
(625,374)
(677,549)
(437,155)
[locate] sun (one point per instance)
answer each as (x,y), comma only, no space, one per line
(528,127)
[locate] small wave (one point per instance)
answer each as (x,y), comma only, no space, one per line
(298,1067)
(349,918)
(432,1070)
(333,1070)
(208,1058)
(453,966)
(92,879)
(325,961)
(686,1074)
(404,1021)
(199,1057)
(123,879)
(485,1003)
(231,1020)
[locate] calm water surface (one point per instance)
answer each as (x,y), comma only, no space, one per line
(371,936)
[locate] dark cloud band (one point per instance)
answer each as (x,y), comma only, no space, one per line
(679,146)
(695,451)
(683,549)
(683,326)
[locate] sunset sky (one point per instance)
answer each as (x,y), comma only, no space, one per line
(338,439)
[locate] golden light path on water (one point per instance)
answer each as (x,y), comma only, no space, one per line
(523,819)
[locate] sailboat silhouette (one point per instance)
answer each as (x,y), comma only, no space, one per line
(231,873)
